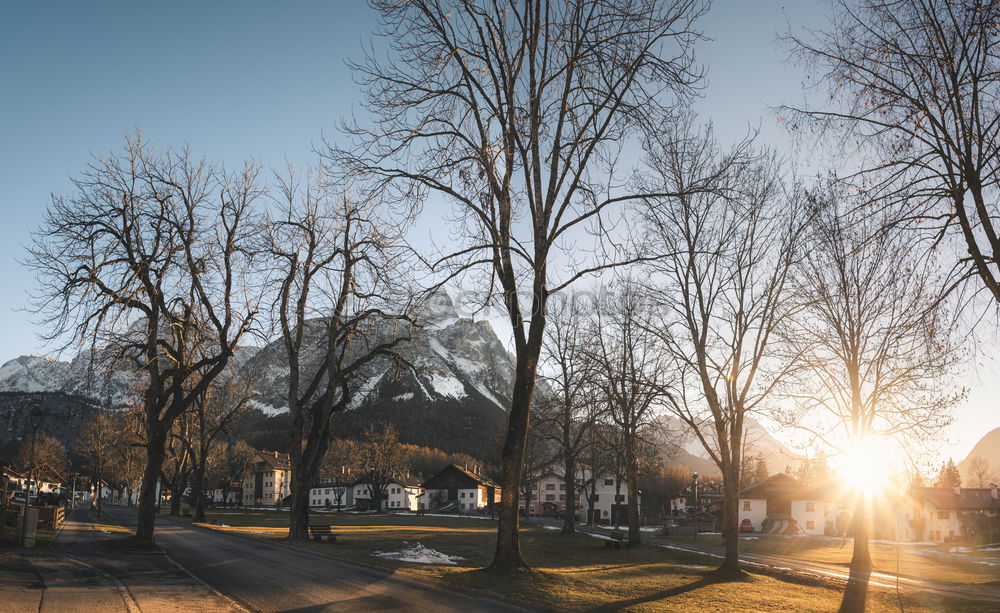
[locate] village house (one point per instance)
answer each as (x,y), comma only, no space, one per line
(610,498)
(779,504)
(460,489)
(332,495)
(403,494)
(936,513)
(269,480)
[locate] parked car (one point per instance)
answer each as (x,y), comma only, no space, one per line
(746,526)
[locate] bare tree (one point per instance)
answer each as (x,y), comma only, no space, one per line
(632,369)
(339,268)
(979,473)
(913,86)
(383,461)
(212,412)
(721,283)
(516,113)
(43,458)
(874,342)
(570,412)
(148,248)
(96,444)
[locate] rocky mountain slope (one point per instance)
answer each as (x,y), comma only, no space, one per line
(453,392)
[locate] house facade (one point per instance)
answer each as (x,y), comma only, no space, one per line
(332,495)
(456,488)
(779,504)
(609,497)
(402,495)
(935,513)
(269,480)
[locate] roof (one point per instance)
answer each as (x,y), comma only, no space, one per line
(277,461)
(461,472)
(406,481)
(966,498)
(776,484)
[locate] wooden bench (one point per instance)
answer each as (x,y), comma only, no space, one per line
(318,532)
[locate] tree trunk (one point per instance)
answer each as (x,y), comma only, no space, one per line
(198,482)
(146,513)
(856,592)
(569,478)
(634,533)
(175,501)
(731,523)
(298,519)
(508,552)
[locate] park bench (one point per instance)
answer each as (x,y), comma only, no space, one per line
(318,532)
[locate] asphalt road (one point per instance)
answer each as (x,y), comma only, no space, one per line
(266,577)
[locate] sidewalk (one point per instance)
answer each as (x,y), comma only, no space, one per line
(78,574)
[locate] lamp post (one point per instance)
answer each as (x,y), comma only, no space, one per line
(694,514)
(34,417)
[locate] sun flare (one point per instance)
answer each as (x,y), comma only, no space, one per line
(866,464)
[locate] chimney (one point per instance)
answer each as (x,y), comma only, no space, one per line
(958,490)
(993,491)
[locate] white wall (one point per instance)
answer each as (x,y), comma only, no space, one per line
(754,509)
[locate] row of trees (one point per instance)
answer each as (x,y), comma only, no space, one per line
(521,115)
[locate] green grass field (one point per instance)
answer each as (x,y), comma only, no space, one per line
(574,572)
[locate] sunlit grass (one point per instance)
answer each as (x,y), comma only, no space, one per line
(574,572)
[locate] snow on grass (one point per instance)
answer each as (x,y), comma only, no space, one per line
(417,554)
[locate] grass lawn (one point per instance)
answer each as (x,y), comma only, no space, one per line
(916,561)
(574,572)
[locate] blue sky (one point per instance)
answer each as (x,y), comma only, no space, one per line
(267,79)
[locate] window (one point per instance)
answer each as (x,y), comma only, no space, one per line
(944,514)
(609,482)
(550,486)
(562,486)
(810,525)
(810,507)
(620,498)
(605,513)
(596,497)
(746,505)
(549,497)
(461,495)
(562,496)
(826,509)
(326,491)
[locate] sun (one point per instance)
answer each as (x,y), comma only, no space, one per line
(866,464)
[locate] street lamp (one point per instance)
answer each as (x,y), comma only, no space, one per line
(694,478)
(34,417)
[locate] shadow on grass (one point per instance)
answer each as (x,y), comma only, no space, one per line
(711,578)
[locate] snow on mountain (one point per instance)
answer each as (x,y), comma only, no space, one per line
(448,358)
(33,373)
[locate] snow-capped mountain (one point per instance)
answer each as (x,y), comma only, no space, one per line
(452,393)
(691,453)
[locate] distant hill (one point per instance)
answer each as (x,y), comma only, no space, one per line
(987,448)
(692,455)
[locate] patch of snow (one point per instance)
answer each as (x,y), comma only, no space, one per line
(446,385)
(403,397)
(959,550)
(417,554)
(364,391)
(551,528)
(989,562)
(267,409)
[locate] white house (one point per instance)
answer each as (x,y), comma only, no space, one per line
(269,480)
(780,504)
(400,495)
(332,495)
(935,513)
(460,489)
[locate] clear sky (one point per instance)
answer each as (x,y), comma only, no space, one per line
(267,79)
